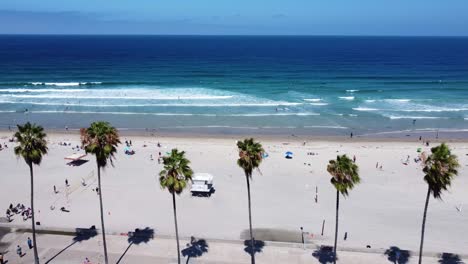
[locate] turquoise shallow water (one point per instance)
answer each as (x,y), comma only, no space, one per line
(325,85)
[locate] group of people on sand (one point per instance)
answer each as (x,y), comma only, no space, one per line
(18,209)
(5,146)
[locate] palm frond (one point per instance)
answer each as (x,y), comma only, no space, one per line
(345,174)
(32,143)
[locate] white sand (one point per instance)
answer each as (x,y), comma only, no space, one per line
(384,210)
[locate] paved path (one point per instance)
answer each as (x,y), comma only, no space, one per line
(67,249)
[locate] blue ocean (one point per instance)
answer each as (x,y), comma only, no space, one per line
(253,84)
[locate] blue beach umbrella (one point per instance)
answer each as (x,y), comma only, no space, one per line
(289,153)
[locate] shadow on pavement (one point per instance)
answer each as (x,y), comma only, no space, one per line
(196,248)
(397,255)
(324,254)
(258,246)
(137,237)
(81,234)
(449,258)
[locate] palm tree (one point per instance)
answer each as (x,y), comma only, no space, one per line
(101,140)
(175,176)
(345,175)
(32,146)
(250,157)
(439,169)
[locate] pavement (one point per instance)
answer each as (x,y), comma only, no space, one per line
(143,246)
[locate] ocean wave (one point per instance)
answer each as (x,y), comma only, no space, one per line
(388,100)
(197,97)
(213,126)
(276,114)
(22,90)
(153,105)
(352,91)
(417,117)
(333,127)
(349,98)
(165,114)
(313,99)
(318,104)
(64,83)
(435,109)
(365,109)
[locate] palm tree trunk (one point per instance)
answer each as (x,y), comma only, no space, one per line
(252,242)
(106,260)
(176,229)
(336,225)
(33,219)
(424,225)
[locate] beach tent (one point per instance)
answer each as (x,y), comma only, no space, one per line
(288,155)
(75,156)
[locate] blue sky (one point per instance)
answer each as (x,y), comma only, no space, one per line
(220,17)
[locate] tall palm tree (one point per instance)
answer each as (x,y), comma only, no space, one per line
(250,157)
(101,140)
(32,146)
(439,169)
(175,176)
(345,175)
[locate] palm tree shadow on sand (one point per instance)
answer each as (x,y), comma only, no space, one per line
(137,237)
(324,254)
(258,246)
(449,258)
(81,234)
(196,248)
(397,255)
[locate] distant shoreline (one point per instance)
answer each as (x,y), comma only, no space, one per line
(397,136)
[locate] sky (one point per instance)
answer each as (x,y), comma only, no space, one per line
(236,17)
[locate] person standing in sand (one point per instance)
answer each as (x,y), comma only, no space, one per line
(19,251)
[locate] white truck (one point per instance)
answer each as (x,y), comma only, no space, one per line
(202,184)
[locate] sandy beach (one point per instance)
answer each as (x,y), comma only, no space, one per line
(384,210)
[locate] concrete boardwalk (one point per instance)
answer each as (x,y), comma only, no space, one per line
(68,249)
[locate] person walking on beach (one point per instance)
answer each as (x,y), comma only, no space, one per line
(30,244)
(351,135)
(354,158)
(55,189)
(66,182)
(2,261)
(345,236)
(19,251)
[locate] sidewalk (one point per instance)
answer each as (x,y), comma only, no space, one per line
(66,249)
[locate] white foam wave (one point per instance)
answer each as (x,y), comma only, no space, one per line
(318,104)
(388,100)
(365,109)
(313,99)
(349,98)
(352,91)
(21,90)
(196,97)
(397,100)
(435,109)
(276,114)
(333,127)
(416,117)
(165,114)
(64,83)
(235,127)
(152,105)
